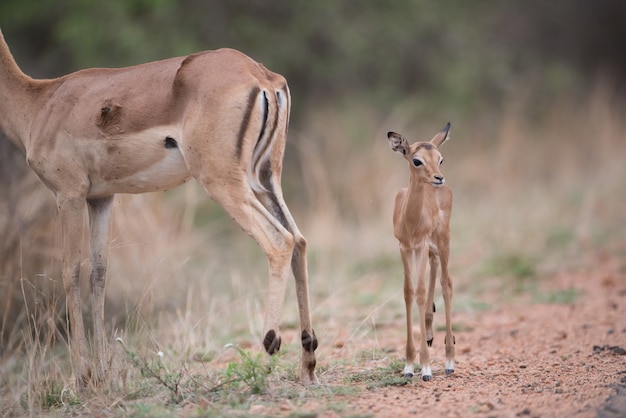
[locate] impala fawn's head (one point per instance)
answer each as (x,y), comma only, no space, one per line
(424,157)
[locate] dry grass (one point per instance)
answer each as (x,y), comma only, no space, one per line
(531,196)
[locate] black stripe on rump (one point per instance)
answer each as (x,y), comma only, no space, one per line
(266,109)
(246,119)
(271,203)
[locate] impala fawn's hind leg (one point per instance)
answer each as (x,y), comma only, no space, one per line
(409,293)
(99,233)
(430,304)
(446,286)
(71,211)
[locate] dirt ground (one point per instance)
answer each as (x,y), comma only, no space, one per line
(527,359)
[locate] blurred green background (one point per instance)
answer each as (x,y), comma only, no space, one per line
(452,56)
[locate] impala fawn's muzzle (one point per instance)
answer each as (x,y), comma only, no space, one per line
(438,180)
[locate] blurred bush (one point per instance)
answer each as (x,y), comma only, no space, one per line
(457,54)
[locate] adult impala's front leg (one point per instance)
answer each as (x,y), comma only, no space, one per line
(71,215)
(99,228)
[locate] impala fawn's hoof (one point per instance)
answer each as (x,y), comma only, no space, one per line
(427,374)
(429,342)
(408,371)
(271,342)
(427,377)
(408,375)
(449,367)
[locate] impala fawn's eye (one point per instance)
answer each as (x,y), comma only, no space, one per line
(417,162)
(441,161)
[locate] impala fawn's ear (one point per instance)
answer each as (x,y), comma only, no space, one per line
(441,136)
(398,143)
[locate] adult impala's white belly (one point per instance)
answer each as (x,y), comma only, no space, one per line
(138,164)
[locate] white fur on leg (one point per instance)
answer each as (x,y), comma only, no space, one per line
(427,374)
(408,370)
(449,366)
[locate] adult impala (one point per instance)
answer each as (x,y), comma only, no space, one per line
(421,224)
(216,116)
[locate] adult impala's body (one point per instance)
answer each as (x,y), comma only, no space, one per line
(216,116)
(421,220)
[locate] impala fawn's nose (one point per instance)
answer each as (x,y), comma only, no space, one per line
(439,178)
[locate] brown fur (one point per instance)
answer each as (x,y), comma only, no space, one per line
(97,132)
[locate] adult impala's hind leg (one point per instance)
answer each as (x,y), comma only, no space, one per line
(99,232)
(274,239)
(274,202)
(308,337)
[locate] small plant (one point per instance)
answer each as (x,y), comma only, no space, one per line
(250,372)
(157,370)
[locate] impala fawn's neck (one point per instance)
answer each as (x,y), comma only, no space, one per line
(418,202)
(414,200)
(20,97)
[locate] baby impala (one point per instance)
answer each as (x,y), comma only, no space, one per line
(421,223)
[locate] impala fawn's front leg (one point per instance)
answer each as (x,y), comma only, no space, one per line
(420,264)
(409,293)
(418,258)
(99,227)
(71,216)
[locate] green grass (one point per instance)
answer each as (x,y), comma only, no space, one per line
(562,297)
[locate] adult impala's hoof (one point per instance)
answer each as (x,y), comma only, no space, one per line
(429,342)
(449,371)
(309,378)
(271,342)
(427,377)
(408,375)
